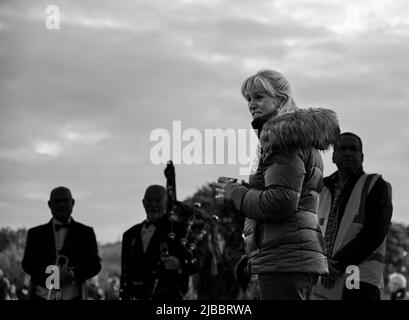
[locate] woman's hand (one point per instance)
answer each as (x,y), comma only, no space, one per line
(225,187)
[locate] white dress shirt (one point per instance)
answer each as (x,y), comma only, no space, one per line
(59,236)
(146,235)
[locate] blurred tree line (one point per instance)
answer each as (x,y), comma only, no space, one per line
(215,279)
(12,243)
(397,249)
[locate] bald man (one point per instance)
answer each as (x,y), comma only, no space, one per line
(61,241)
(153,266)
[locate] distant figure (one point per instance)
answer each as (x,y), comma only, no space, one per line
(61,241)
(94,291)
(247,283)
(355,212)
(215,279)
(113,289)
(4,286)
(397,287)
(23,289)
(13,292)
(154,266)
(283,240)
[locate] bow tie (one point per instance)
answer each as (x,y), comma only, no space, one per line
(149,223)
(60,226)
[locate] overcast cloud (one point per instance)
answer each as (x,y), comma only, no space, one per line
(78,104)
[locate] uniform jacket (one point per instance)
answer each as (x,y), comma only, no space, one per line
(364,215)
(142,276)
(377,214)
(80,247)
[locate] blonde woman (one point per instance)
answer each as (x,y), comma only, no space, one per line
(283,241)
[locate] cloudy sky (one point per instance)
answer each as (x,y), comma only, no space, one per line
(79,103)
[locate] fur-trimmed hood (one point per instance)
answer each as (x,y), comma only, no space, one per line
(316,128)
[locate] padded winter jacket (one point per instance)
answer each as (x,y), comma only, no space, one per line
(281,230)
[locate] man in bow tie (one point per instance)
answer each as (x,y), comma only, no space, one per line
(154,266)
(61,242)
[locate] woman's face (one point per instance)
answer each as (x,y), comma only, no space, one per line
(261,103)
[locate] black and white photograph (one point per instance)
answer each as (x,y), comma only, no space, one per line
(202,157)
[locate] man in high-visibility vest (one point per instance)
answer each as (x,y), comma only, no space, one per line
(355,211)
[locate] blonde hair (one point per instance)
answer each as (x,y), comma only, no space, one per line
(274,84)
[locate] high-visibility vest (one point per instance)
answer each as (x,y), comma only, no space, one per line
(371,269)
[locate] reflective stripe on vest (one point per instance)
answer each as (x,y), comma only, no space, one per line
(371,270)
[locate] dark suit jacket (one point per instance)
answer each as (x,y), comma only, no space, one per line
(80,247)
(141,269)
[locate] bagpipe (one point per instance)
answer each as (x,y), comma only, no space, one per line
(195,236)
(197,224)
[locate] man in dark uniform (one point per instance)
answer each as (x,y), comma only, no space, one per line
(154,264)
(62,238)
